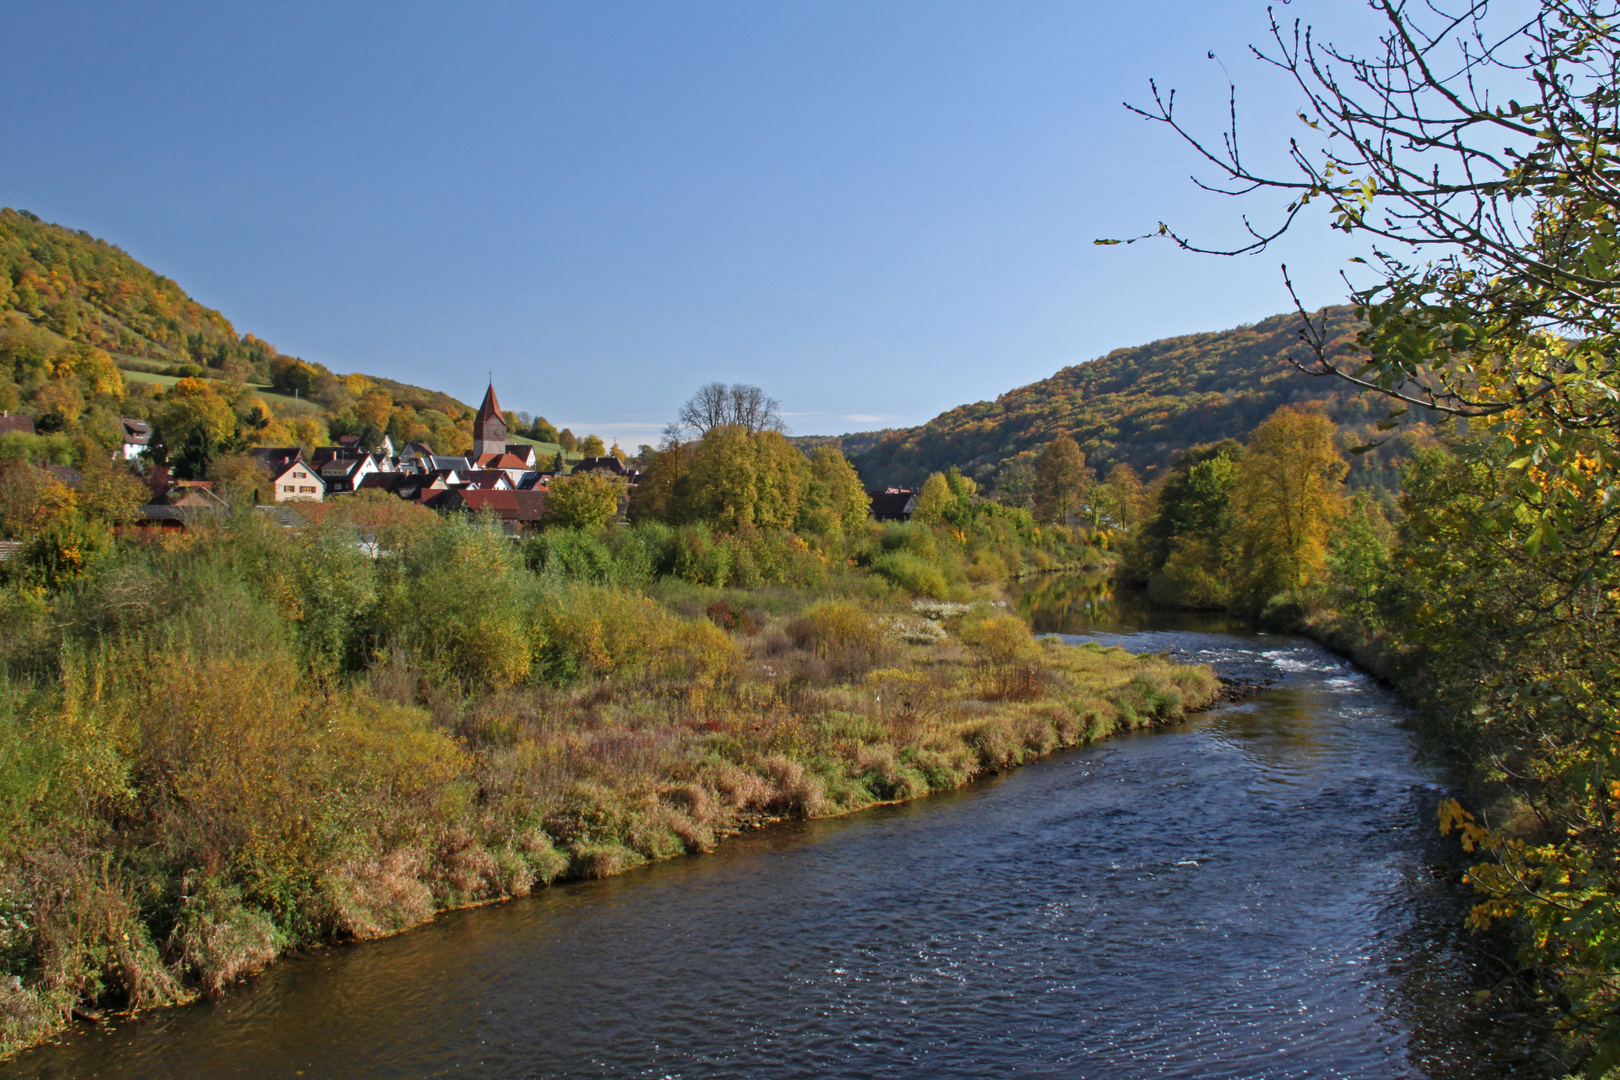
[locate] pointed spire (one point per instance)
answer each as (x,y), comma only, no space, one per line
(490,409)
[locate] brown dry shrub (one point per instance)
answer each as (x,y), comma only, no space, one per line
(219,939)
(28,1014)
(544,862)
(844,637)
(374,896)
(92,941)
(795,790)
(604,860)
(394,678)
(994,742)
(879,764)
(1034,732)
(467,871)
(740,788)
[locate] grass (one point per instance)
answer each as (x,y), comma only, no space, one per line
(136,375)
(234,741)
(284,404)
(545,451)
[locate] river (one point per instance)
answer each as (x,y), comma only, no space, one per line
(1255,893)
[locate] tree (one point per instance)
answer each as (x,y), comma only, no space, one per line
(781,472)
(933,500)
(1286,499)
(566,440)
(587,501)
(834,499)
(593,446)
(1015,482)
(1493,231)
(240,479)
(1496,302)
(192,424)
(31,500)
(1190,510)
(724,479)
(109,492)
(661,492)
(1127,495)
(1060,476)
(738,405)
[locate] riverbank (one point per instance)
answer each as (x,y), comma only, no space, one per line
(1081,901)
(194,810)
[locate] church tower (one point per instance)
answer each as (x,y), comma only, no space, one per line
(489,428)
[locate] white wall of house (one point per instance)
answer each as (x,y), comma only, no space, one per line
(299,483)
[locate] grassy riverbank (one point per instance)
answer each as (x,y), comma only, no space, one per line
(226,745)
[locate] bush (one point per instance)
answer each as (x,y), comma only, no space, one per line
(730,618)
(585,629)
(1191,577)
(850,639)
(912,574)
(459,603)
(571,554)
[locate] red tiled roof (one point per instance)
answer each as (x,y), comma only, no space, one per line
(507,505)
(500,461)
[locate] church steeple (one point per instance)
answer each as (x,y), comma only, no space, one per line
(489,426)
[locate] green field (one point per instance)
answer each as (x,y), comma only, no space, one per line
(146,376)
(543,450)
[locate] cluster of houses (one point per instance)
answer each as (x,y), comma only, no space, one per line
(508,481)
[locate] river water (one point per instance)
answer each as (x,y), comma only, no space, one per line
(1255,893)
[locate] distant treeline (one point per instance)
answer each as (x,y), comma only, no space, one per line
(1142,406)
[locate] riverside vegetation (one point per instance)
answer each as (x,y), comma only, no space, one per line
(1493,307)
(228,742)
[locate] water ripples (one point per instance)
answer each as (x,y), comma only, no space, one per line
(1249,895)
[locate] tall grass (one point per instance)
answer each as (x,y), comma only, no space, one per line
(223,744)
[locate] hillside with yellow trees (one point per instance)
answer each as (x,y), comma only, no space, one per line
(89,335)
(1141,407)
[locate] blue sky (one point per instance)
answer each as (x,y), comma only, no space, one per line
(875,210)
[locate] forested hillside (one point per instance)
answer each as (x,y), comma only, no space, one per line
(1141,406)
(88,334)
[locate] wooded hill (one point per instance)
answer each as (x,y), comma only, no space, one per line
(1143,406)
(87,333)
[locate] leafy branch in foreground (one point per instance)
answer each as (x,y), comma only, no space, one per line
(1493,227)
(1474,147)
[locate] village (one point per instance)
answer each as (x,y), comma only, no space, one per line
(506,481)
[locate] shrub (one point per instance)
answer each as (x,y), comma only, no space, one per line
(699,656)
(1191,577)
(911,573)
(593,629)
(571,554)
(459,603)
(850,639)
(1007,656)
(730,618)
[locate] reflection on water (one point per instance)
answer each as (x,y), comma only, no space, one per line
(1078,603)
(1249,895)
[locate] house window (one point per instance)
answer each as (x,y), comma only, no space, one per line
(300,476)
(287,488)
(306,490)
